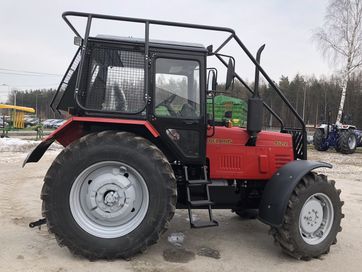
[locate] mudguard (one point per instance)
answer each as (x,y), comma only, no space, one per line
(73,129)
(280,187)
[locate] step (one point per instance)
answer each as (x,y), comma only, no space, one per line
(198,181)
(196,203)
(204,224)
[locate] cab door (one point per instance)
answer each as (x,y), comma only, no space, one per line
(178,105)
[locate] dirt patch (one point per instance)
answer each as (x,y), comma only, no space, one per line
(208,252)
(178,255)
(22,221)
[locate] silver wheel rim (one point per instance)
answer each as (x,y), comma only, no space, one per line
(109,199)
(316,219)
(351,142)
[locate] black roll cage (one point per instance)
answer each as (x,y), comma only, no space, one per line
(300,147)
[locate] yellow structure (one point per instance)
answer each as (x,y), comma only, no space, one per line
(18,114)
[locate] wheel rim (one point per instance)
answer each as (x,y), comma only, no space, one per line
(316,219)
(352,142)
(109,199)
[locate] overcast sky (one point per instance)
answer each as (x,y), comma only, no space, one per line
(34,37)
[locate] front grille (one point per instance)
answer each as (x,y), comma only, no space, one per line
(281,160)
(299,137)
(230,163)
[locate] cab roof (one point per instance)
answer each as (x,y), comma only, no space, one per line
(152,42)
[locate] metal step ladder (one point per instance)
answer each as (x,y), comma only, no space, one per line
(203,183)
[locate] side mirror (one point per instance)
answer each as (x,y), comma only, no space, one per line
(230,74)
(211,80)
(78,41)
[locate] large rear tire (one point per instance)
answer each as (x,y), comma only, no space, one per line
(347,142)
(109,195)
(312,219)
(319,140)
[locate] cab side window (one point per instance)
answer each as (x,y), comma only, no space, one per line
(177,92)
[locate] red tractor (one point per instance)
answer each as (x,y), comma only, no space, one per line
(140,144)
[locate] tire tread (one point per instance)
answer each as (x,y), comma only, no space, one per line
(139,144)
(283,236)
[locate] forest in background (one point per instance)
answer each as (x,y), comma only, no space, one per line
(312,98)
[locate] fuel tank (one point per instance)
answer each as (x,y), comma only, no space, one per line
(230,158)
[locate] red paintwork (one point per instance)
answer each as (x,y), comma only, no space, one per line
(73,128)
(230,159)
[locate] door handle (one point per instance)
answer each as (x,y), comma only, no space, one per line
(190,122)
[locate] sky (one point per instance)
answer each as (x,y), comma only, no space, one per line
(35,39)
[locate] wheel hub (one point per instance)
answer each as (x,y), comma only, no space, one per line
(112,198)
(109,199)
(111,195)
(316,218)
(312,216)
(351,142)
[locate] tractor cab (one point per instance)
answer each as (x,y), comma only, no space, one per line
(113,84)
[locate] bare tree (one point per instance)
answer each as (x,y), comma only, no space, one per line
(340,40)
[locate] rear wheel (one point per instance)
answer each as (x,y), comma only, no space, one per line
(312,219)
(347,142)
(319,140)
(109,195)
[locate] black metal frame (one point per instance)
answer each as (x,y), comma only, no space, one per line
(52,106)
(147,23)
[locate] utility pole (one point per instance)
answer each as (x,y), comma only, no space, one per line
(15,96)
(36,104)
(14,112)
(304,98)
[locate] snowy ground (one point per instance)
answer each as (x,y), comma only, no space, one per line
(21,145)
(236,245)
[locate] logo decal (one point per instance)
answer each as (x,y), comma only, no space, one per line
(280,143)
(219,141)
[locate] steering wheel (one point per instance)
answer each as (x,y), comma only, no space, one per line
(167,103)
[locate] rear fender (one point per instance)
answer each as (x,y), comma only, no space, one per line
(279,189)
(74,129)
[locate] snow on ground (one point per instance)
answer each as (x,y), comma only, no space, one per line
(20,145)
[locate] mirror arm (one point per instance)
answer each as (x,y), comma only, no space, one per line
(218,55)
(211,71)
(208,80)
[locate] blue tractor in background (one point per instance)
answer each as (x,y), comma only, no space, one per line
(344,138)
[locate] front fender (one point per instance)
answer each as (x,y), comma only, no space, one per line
(280,187)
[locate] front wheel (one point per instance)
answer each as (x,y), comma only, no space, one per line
(109,195)
(312,219)
(319,140)
(347,142)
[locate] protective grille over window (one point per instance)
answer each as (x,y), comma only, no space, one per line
(115,80)
(67,83)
